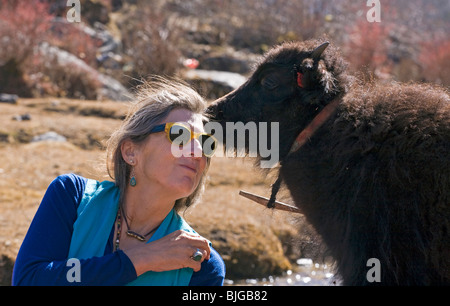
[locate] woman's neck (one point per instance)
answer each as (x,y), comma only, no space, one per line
(145,208)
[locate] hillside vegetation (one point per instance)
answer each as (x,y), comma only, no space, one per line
(126,40)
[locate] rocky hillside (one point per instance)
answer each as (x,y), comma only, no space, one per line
(120,42)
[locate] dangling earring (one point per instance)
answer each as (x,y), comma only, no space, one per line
(132,175)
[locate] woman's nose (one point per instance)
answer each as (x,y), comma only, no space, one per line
(196,148)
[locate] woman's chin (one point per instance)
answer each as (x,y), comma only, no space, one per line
(185,188)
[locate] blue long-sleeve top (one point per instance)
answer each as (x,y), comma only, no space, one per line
(42,258)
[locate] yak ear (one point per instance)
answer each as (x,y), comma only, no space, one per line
(317,53)
(311,72)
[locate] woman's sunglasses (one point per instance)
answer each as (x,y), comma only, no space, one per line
(182,134)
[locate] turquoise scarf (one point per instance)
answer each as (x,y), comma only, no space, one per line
(96,216)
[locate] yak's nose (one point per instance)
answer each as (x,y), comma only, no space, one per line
(214,111)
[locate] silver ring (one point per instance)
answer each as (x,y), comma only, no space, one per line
(197,256)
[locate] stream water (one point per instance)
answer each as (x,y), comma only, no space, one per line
(305,273)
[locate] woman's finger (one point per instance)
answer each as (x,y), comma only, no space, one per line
(197,241)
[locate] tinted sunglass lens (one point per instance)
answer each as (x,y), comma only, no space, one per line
(208,144)
(180,135)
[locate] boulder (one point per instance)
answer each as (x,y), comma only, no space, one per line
(109,87)
(8,98)
(248,250)
(23,117)
(213,84)
(49,136)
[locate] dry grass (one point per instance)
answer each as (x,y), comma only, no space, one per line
(253,241)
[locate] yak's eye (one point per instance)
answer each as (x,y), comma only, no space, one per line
(269,83)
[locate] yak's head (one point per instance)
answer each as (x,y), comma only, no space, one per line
(291,85)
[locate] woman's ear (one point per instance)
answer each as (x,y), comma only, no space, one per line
(129,152)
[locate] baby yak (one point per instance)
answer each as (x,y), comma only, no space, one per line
(367,163)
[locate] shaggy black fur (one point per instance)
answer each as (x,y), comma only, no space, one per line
(374,180)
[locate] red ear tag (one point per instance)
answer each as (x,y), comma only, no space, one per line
(300,79)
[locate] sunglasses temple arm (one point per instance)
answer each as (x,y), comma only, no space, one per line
(158,128)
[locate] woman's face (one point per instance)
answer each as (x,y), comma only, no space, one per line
(155,165)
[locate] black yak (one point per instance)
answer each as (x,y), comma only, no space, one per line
(372,173)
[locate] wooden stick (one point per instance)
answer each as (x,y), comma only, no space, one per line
(263,201)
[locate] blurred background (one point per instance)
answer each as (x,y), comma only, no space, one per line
(42,54)
(66,85)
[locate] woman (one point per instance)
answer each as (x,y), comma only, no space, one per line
(129,231)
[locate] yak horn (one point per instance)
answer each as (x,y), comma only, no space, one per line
(319,50)
(263,201)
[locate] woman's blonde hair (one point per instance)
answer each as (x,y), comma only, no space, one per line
(155,100)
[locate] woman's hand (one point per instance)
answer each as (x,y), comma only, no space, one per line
(171,252)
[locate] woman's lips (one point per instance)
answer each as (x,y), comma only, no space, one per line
(193,168)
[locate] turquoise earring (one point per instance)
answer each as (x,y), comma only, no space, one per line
(133,181)
(133,177)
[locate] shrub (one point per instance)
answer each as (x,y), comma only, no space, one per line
(51,78)
(149,41)
(23,25)
(435,60)
(366,47)
(71,38)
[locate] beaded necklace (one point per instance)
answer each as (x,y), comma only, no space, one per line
(129,232)
(119,230)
